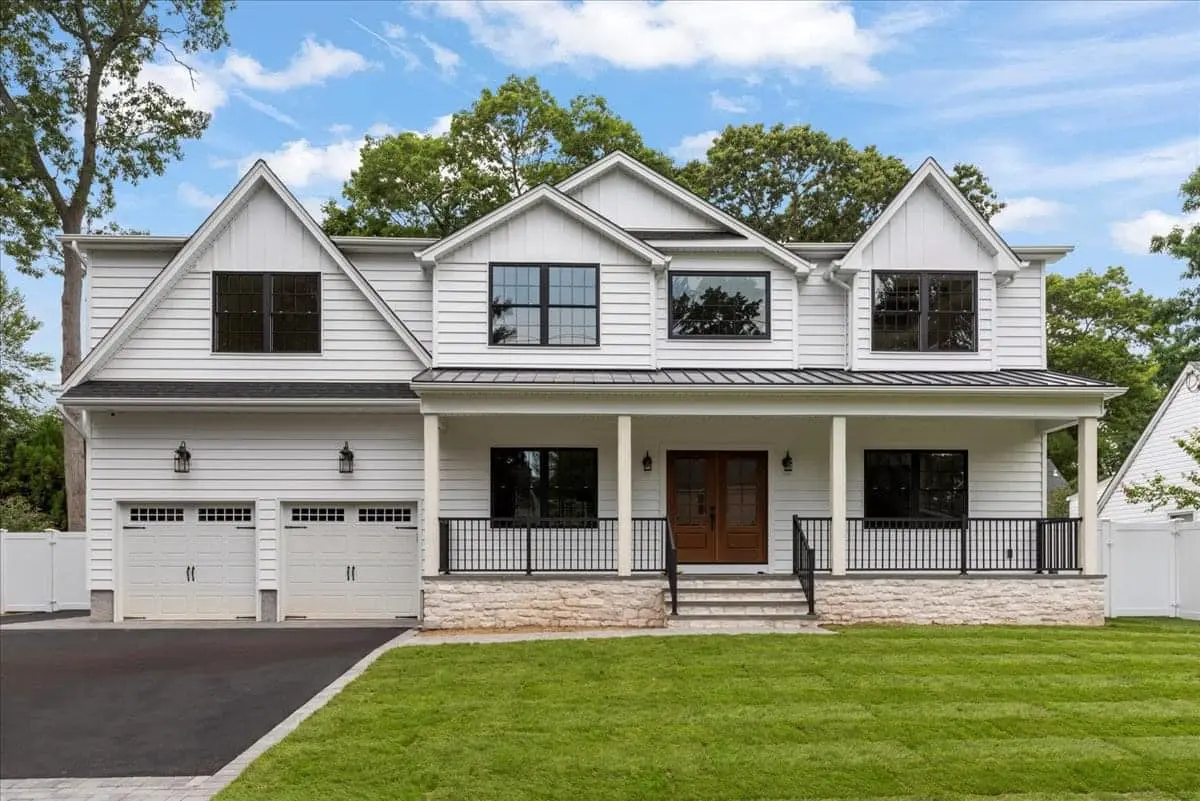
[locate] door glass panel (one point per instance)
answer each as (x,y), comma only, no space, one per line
(691,491)
(741,491)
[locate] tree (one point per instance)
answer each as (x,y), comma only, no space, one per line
(1181,315)
(20,383)
(77,120)
(1159,490)
(1098,326)
(31,466)
(800,184)
(509,140)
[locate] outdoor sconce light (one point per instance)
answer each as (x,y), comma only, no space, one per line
(787,462)
(346,459)
(183,458)
(647,462)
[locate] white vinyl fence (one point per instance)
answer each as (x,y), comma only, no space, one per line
(43,571)
(1153,569)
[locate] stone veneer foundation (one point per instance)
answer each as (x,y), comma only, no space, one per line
(467,602)
(101,606)
(1029,600)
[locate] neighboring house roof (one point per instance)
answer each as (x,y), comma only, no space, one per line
(109,391)
(1192,372)
(932,173)
(564,203)
(257,176)
(811,378)
(623,161)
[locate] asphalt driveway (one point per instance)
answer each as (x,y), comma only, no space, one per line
(79,703)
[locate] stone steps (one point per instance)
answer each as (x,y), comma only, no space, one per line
(740,602)
(778,622)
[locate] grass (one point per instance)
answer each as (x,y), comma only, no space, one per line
(898,713)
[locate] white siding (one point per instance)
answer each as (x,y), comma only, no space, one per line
(777,352)
(260,458)
(1021,320)
(114,281)
(821,322)
(631,203)
(1159,454)
(542,234)
(405,287)
(924,234)
(174,342)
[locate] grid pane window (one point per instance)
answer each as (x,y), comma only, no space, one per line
(545,304)
(267,312)
(720,305)
(914,311)
(923,485)
(544,483)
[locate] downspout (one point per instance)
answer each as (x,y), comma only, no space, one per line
(847,331)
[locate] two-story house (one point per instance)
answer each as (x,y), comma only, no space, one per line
(604,403)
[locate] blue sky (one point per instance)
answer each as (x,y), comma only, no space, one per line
(1085,116)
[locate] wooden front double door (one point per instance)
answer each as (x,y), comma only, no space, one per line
(717,501)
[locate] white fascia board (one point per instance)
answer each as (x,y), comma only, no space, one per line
(208,404)
(1106,393)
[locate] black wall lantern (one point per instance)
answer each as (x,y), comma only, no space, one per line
(346,459)
(787,462)
(647,462)
(183,458)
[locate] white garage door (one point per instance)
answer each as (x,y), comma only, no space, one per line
(188,562)
(350,561)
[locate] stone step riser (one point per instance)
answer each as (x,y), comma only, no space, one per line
(740,595)
(742,610)
(743,623)
(750,583)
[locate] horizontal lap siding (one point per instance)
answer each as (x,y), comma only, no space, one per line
(114,282)
(631,203)
(256,458)
(542,235)
(405,287)
(174,342)
(1021,321)
(820,322)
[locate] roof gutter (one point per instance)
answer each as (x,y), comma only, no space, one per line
(174,403)
(590,389)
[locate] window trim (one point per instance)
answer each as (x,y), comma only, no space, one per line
(915,499)
(763,337)
(267,315)
(543,450)
(544,305)
(923,313)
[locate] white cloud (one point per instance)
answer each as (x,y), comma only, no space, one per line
(1029,214)
(447,60)
(266,108)
(393,31)
(753,35)
(1133,236)
(440,126)
(199,87)
(194,196)
(1103,96)
(694,146)
(1165,164)
(1086,12)
(731,105)
(312,65)
(301,163)
(387,39)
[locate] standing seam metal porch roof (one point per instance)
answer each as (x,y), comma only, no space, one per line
(708,377)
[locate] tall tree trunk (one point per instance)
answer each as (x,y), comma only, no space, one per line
(74,453)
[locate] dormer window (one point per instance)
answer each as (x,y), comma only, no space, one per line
(545,304)
(706,305)
(920,311)
(267,312)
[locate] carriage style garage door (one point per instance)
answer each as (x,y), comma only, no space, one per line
(348,561)
(188,561)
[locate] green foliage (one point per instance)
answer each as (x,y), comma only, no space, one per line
(18,514)
(1182,314)
(1180,492)
(31,467)
(20,384)
(508,141)
(1058,504)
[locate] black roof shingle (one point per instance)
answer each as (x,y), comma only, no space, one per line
(231,390)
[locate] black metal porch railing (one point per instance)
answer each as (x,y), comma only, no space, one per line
(966,545)
(803,563)
(816,531)
(671,558)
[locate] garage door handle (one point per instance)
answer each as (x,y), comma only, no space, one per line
(347,572)
(295,526)
(354,572)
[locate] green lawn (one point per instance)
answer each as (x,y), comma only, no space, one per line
(1034,713)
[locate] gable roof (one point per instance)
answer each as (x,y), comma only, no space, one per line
(1190,370)
(932,173)
(543,193)
(623,161)
(257,176)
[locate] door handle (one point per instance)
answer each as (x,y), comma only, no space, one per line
(712,516)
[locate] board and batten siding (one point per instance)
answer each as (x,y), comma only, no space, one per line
(405,287)
(174,342)
(256,458)
(542,234)
(924,234)
(632,203)
(1020,326)
(114,282)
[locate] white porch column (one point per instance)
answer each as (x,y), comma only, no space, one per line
(837,495)
(624,495)
(1089,550)
(432,505)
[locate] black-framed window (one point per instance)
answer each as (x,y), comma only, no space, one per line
(924,311)
(705,305)
(921,485)
(545,304)
(267,312)
(545,483)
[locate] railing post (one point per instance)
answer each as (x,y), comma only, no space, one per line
(1039,541)
(796,545)
(962,545)
(444,546)
(528,548)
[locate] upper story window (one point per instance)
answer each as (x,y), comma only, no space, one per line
(267,312)
(917,311)
(545,304)
(719,305)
